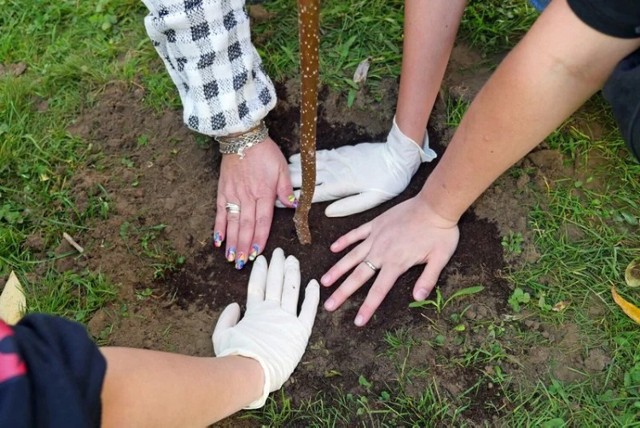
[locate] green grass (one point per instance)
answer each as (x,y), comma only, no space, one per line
(73,49)
(70,49)
(350,32)
(72,295)
(580,267)
(375,403)
(492,26)
(456,108)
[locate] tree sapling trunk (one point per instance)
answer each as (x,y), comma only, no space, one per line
(308,22)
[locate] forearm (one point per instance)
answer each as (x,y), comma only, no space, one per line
(158,389)
(207,50)
(430,29)
(558,65)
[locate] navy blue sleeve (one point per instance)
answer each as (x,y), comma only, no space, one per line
(616,18)
(51,374)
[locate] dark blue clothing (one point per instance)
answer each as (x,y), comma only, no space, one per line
(616,18)
(51,374)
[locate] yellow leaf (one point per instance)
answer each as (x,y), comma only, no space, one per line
(630,309)
(12,301)
(332,373)
(560,306)
(632,274)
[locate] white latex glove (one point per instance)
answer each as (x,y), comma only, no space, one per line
(365,175)
(270,331)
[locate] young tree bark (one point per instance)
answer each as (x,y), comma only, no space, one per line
(309,33)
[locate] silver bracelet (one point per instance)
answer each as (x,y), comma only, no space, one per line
(237,144)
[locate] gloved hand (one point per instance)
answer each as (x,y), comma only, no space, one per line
(270,331)
(365,175)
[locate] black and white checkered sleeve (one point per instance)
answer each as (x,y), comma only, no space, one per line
(207,50)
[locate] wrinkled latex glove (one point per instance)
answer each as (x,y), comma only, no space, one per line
(253,183)
(365,175)
(409,234)
(270,332)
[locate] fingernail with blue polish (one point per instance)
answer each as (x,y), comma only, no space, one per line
(240,261)
(255,248)
(231,254)
(217,239)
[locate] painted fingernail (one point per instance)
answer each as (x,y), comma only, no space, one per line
(421,294)
(217,239)
(359,321)
(231,254)
(293,200)
(255,248)
(330,304)
(240,261)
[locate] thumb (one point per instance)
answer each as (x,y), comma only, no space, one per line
(284,189)
(228,318)
(356,204)
(296,196)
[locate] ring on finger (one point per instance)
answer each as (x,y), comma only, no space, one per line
(232,208)
(371,266)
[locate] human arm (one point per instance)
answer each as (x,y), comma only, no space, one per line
(155,389)
(207,50)
(52,374)
(255,356)
(429,33)
(558,65)
(363,176)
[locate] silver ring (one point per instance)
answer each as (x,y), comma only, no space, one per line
(371,265)
(232,208)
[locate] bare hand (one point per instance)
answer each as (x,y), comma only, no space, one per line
(406,235)
(252,183)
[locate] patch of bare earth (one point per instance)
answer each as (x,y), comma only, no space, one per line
(161,187)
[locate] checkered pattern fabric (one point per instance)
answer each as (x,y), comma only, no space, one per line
(206,47)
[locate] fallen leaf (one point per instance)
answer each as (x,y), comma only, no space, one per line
(361,71)
(12,301)
(560,306)
(630,309)
(332,373)
(15,69)
(632,274)
(259,14)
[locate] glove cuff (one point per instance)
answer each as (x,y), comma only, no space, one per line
(267,377)
(426,153)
